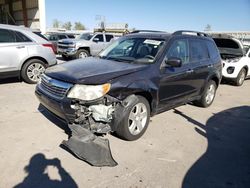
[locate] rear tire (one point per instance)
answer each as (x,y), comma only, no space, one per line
(241,77)
(208,96)
(135,120)
(32,71)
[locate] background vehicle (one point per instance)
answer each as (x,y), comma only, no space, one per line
(87,44)
(54,37)
(236,58)
(24,53)
(136,77)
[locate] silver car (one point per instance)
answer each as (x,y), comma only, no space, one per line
(24,53)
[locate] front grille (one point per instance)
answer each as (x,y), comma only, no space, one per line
(63,47)
(54,88)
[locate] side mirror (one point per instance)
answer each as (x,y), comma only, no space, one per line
(95,39)
(173,62)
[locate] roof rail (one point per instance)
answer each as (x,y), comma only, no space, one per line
(183,32)
(147,31)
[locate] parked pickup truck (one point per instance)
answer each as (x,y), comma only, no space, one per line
(87,44)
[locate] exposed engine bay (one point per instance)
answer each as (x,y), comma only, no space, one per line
(100,117)
(96,116)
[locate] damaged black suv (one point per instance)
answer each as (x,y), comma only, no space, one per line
(137,76)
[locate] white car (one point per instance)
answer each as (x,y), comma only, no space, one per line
(236,58)
(24,53)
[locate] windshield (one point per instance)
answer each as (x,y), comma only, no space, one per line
(137,50)
(85,36)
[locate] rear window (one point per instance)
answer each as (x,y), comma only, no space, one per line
(226,43)
(40,35)
(21,37)
(10,36)
(212,49)
(199,50)
(109,37)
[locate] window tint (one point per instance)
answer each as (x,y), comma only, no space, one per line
(53,37)
(71,36)
(40,35)
(213,52)
(7,36)
(21,37)
(180,50)
(100,37)
(226,43)
(62,37)
(108,37)
(199,50)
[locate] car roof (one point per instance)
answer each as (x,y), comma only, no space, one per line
(165,35)
(27,31)
(14,27)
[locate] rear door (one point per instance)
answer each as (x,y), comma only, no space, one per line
(201,63)
(12,49)
(176,83)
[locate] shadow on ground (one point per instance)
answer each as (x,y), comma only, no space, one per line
(226,163)
(10,80)
(38,178)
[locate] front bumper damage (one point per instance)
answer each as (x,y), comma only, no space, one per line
(85,119)
(88,147)
(97,116)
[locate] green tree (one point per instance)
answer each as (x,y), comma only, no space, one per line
(67,25)
(56,23)
(79,26)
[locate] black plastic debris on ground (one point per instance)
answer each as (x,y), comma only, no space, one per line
(88,147)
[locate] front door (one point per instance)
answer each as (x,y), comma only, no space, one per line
(98,44)
(175,85)
(12,51)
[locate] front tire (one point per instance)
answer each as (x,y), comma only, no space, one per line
(241,77)
(82,54)
(32,71)
(65,57)
(208,96)
(135,120)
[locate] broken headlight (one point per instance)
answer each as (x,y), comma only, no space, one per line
(88,92)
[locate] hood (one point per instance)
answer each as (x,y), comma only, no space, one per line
(229,46)
(91,70)
(72,41)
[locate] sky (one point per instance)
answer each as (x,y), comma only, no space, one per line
(165,15)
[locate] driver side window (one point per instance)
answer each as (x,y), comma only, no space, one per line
(100,37)
(179,49)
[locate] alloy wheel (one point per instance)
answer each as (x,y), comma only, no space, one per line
(137,118)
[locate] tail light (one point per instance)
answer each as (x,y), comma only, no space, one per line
(50,46)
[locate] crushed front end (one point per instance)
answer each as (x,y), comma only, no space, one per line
(94,115)
(83,117)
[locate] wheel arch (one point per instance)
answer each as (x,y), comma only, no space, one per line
(247,69)
(147,95)
(34,57)
(84,48)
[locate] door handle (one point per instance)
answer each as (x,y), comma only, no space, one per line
(20,47)
(210,66)
(190,71)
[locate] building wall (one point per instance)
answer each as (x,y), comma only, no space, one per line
(30,13)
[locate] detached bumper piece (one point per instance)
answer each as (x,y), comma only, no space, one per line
(90,148)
